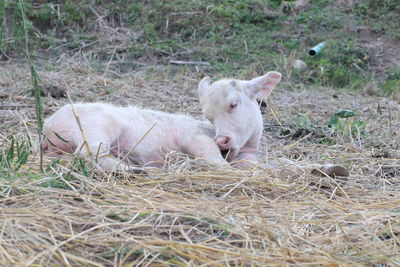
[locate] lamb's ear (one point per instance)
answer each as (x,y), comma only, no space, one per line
(204,84)
(262,86)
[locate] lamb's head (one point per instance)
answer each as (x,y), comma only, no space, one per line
(231,106)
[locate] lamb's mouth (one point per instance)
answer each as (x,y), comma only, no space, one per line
(225,152)
(228,154)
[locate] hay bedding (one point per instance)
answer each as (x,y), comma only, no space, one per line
(192,215)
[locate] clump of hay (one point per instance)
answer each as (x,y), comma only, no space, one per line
(184,217)
(190,214)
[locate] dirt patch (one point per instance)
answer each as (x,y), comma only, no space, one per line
(385,49)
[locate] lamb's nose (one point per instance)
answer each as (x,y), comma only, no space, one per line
(223,140)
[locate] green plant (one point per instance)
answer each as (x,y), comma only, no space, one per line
(2,25)
(45,15)
(301,126)
(13,157)
(376,8)
(392,83)
(393,73)
(48,40)
(381,16)
(74,12)
(340,64)
(302,122)
(150,34)
(35,78)
(343,125)
(121,252)
(233,36)
(80,165)
(390,87)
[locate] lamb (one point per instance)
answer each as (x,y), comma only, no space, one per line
(143,137)
(120,138)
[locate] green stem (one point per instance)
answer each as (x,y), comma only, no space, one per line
(35,82)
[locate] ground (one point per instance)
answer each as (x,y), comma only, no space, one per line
(191,214)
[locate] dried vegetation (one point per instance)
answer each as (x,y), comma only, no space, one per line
(191,214)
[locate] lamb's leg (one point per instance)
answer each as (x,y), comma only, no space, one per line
(99,146)
(247,156)
(245,160)
(283,167)
(202,146)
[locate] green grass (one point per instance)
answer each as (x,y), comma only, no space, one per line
(13,156)
(382,15)
(392,84)
(17,155)
(233,36)
(25,26)
(3,29)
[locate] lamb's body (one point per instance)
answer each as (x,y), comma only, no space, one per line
(117,132)
(147,135)
(144,136)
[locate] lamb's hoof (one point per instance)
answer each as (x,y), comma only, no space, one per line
(332,170)
(137,170)
(243,164)
(129,170)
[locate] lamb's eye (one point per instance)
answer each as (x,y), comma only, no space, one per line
(233,104)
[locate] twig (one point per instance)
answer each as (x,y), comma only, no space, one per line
(179,62)
(79,125)
(137,143)
(276,118)
(15,106)
(85,46)
(109,62)
(390,122)
(186,13)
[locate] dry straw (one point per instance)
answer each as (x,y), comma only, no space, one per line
(191,214)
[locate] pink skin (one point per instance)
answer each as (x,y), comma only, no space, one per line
(230,105)
(144,137)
